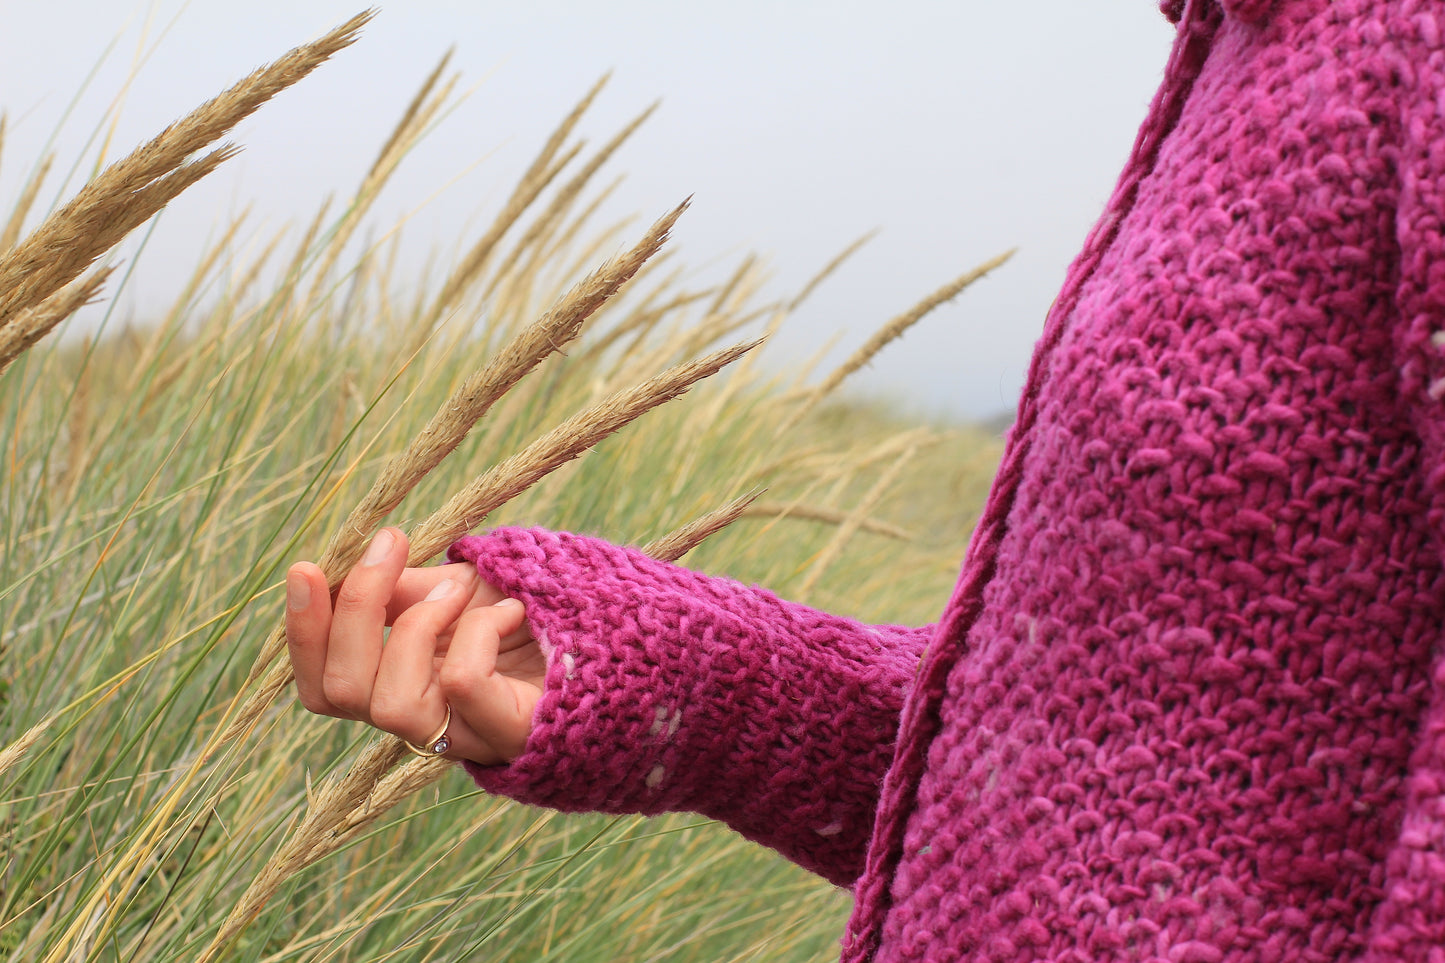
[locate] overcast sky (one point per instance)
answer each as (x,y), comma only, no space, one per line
(958,128)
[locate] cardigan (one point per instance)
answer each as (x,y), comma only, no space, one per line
(1187,701)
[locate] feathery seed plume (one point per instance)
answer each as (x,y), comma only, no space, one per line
(468,507)
(450,425)
(346,805)
(36,322)
(891,331)
(829,268)
(543,170)
(133,188)
(16,222)
(14,752)
(683,539)
(568,192)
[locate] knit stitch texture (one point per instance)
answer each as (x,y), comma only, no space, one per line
(667,691)
(1187,703)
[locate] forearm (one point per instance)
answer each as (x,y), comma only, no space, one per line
(670,690)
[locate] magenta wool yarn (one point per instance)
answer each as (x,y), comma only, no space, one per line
(1187,703)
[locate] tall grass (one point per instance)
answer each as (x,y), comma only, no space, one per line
(161,795)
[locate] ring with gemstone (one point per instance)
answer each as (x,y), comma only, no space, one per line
(437,744)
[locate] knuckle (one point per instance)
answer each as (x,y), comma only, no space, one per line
(458,680)
(411,620)
(387,714)
(352,600)
(344,694)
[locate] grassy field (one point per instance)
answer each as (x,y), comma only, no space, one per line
(156,801)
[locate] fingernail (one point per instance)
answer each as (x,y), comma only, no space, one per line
(379,548)
(505,602)
(441,590)
(298,593)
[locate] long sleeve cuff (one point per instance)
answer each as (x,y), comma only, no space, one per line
(669,690)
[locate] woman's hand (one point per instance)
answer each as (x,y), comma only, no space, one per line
(454,641)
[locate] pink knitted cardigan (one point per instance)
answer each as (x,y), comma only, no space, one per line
(1187,702)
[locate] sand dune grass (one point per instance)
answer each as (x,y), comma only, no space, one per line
(161,795)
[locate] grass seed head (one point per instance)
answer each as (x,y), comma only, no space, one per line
(893,330)
(133,188)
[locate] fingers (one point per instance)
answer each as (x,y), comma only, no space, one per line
(308,622)
(416,584)
(448,626)
(358,624)
(494,709)
(405,700)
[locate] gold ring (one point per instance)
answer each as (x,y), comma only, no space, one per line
(437,744)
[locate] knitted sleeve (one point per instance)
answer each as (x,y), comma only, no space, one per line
(669,690)
(1410,923)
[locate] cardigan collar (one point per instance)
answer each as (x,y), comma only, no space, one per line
(1246,11)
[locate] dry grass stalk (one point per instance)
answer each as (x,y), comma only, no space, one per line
(468,507)
(291,279)
(920,438)
(802,370)
(450,425)
(829,268)
(78,423)
(718,322)
(132,189)
(645,316)
(718,327)
(166,376)
(629,357)
(346,806)
(729,291)
(703,416)
(384,892)
(568,193)
(404,131)
(329,808)
(846,466)
(891,331)
(854,521)
(772,327)
(16,223)
(462,278)
(547,266)
(36,322)
(14,752)
(678,542)
(544,169)
(268,679)
(418,115)
(567,239)
(781,314)
(395,787)
(241,285)
(460,412)
(204,269)
(828,516)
